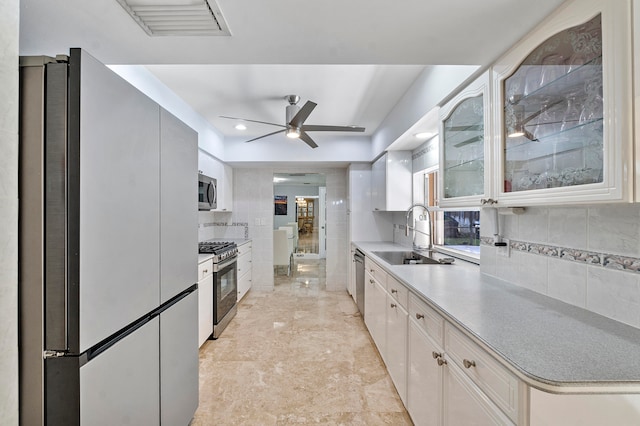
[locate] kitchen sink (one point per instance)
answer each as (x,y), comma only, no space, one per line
(411,258)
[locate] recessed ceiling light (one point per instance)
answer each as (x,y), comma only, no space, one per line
(241,127)
(424,135)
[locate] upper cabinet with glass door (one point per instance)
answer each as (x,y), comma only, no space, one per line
(465,154)
(564,109)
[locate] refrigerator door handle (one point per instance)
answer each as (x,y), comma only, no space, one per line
(55,244)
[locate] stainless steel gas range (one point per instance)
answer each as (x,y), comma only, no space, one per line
(225,282)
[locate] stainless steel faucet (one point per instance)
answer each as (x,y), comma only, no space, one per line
(407,227)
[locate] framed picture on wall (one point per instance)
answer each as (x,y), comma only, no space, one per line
(280,203)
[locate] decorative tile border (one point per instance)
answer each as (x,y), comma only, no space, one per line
(243,224)
(605,260)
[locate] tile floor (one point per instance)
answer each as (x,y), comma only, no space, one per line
(297,355)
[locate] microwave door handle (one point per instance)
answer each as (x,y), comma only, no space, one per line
(211,193)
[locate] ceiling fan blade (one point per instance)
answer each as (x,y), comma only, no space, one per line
(302,115)
(307,139)
(251,121)
(264,136)
(316,128)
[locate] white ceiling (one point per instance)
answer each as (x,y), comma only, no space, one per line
(354,58)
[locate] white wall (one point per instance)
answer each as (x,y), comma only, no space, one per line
(430,89)
(585,256)
(9,23)
(278,148)
(253,204)
(291,191)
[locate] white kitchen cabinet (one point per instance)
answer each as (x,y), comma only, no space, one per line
(375,301)
(391,180)
(465,404)
(563,111)
(205,301)
(466,152)
(396,336)
(244,268)
(450,379)
(424,378)
(485,371)
(225,189)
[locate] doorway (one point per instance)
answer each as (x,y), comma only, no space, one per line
(302,205)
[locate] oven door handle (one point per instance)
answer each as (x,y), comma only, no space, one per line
(227,262)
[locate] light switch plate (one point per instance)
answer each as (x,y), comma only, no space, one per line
(504,251)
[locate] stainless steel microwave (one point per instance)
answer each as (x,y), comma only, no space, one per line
(207,192)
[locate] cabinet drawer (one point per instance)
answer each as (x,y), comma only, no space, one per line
(244,265)
(244,249)
(398,291)
(205,269)
(376,271)
(486,372)
(427,318)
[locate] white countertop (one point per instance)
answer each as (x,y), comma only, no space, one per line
(549,344)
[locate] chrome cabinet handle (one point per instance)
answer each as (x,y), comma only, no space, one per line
(393,290)
(435,355)
(442,362)
(419,316)
(468,364)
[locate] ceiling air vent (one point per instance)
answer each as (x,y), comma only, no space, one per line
(177,17)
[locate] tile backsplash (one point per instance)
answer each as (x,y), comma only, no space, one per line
(220,225)
(588,256)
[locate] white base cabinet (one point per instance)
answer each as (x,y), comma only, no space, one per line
(396,329)
(244,269)
(445,377)
(385,301)
(413,340)
(465,403)
(205,301)
(424,376)
(375,301)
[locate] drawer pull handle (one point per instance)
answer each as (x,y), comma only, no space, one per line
(393,290)
(435,355)
(442,362)
(468,364)
(419,316)
(393,305)
(205,271)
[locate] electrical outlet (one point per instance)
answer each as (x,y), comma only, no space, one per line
(504,251)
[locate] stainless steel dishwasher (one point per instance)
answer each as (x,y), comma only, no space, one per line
(358,257)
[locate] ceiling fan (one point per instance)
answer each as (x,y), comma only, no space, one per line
(295,118)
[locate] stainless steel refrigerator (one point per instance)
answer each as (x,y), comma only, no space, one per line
(108,250)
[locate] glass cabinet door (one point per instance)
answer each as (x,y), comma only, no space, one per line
(563,109)
(464,135)
(553,113)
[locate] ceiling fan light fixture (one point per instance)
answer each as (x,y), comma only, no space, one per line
(293,133)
